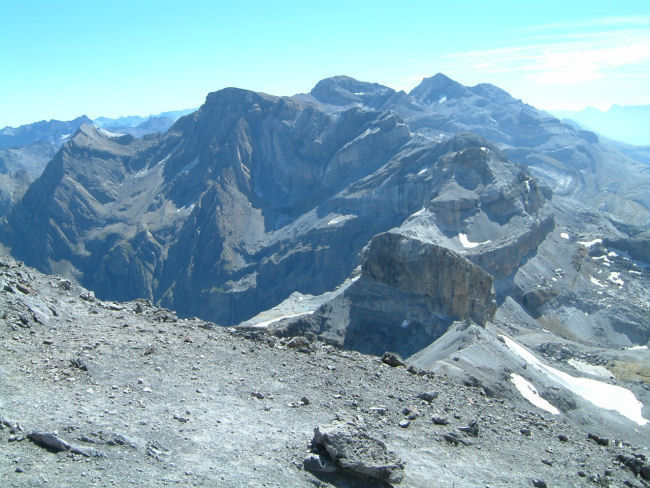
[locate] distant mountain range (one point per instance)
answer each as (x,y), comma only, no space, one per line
(253,197)
(136,120)
(25,150)
(627,123)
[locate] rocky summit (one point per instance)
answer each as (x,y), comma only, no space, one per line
(349,287)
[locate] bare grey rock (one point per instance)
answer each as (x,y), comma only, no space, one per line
(429,396)
(48,440)
(392,359)
(358,453)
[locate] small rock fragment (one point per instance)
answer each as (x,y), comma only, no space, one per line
(48,440)
(471,429)
(428,396)
(298,341)
(378,410)
(411,412)
(601,441)
(79,364)
(456,440)
(392,359)
(24,289)
(318,463)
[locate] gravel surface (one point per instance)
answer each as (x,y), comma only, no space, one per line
(97,393)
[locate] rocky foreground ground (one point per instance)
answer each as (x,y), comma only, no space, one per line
(96,393)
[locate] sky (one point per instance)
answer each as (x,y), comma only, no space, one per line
(64,58)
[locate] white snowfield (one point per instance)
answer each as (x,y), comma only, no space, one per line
(564,235)
(469,244)
(602,395)
(529,392)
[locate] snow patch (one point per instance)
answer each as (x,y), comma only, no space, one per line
(602,395)
(591,369)
(189,167)
(469,244)
(422,171)
(443,99)
(266,323)
(529,392)
(368,132)
(405,324)
(637,348)
(590,243)
(615,278)
(340,218)
(108,133)
(484,149)
(564,235)
(597,282)
(145,171)
(186,210)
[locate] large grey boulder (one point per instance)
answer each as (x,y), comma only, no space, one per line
(354,452)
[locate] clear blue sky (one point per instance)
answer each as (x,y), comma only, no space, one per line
(60,59)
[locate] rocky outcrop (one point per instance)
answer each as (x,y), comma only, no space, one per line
(502,259)
(407,295)
(450,285)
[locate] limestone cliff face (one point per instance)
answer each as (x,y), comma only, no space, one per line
(450,285)
(407,295)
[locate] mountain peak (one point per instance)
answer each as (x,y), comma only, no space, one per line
(492,93)
(345,90)
(237,97)
(438,88)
